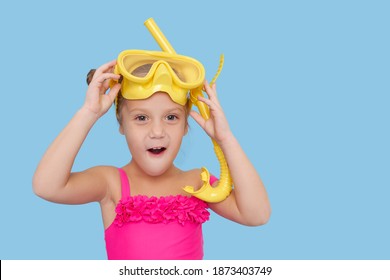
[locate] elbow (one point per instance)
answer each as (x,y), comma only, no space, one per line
(258,222)
(38,192)
(39,188)
(260,219)
(264,220)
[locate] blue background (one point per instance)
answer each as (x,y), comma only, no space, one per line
(305,88)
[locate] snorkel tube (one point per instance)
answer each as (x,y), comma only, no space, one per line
(206,192)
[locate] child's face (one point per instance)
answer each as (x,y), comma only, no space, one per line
(154,129)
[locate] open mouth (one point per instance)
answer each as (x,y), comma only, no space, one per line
(157,150)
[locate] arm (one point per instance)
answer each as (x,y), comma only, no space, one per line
(53,179)
(248,203)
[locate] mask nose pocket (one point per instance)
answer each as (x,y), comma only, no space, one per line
(162,76)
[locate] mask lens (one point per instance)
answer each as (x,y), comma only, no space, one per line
(185,70)
(144,70)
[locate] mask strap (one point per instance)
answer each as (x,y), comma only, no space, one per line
(221,61)
(191,99)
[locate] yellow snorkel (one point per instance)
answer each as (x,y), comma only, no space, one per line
(192,81)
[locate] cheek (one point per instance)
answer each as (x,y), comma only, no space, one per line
(135,144)
(132,136)
(177,134)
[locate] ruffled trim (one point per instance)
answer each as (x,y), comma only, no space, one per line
(165,209)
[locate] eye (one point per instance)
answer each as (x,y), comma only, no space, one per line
(172,117)
(141,118)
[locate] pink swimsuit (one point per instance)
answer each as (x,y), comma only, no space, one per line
(169,227)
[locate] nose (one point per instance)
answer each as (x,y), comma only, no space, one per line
(157,130)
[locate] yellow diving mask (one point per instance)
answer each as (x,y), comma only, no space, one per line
(147,72)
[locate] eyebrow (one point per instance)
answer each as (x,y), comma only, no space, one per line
(181,109)
(147,110)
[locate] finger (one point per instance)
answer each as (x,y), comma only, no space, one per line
(212,103)
(107,82)
(211,91)
(106,77)
(105,68)
(206,85)
(206,88)
(102,82)
(114,92)
(198,118)
(208,102)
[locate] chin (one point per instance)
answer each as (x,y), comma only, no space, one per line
(155,172)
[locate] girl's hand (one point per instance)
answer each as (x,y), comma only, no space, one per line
(216,126)
(97,101)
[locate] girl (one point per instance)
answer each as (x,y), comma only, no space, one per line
(146,213)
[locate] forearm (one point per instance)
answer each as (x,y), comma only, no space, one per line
(250,194)
(55,167)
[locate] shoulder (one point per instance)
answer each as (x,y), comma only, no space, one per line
(109,177)
(194,178)
(181,178)
(196,174)
(103,172)
(192,175)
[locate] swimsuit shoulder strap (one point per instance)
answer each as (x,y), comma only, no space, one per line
(124,183)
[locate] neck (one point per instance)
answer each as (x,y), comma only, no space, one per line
(137,172)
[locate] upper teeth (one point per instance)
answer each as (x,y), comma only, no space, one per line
(157,149)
